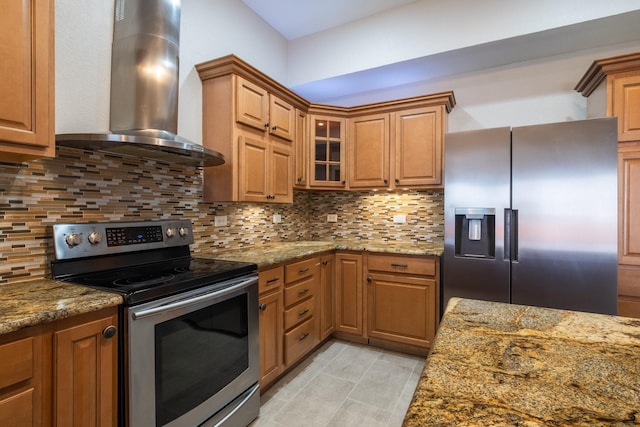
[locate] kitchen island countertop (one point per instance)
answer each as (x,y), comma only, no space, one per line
(513,365)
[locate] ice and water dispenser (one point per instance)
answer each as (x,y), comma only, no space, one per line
(475,232)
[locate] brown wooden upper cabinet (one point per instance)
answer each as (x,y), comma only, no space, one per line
(327,152)
(612,86)
(399,149)
(273,140)
(26,80)
(257,108)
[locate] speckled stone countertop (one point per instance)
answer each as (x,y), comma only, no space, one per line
(44,300)
(496,364)
(275,253)
(41,301)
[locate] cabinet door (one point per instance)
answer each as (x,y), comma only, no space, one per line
(327,152)
(26,80)
(281,182)
(418,141)
(85,374)
(626,105)
(254,155)
(271,337)
(369,151)
(252,104)
(401,309)
(282,118)
(326,297)
(21,380)
(629,205)
(349,293)
(301,151)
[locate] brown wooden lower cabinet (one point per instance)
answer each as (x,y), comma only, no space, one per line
(62,373)
(349,314)
(85,374)
(305,302)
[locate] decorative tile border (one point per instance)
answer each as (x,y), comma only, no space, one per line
(84,186)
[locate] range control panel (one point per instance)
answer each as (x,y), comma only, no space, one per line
(103,238)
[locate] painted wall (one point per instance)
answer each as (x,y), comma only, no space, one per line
(525,93)
(522,93)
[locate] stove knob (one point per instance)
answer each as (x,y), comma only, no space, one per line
(95,237)
(184,231)
(73,239)
(171,232)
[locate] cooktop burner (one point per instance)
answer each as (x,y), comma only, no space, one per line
(142,283)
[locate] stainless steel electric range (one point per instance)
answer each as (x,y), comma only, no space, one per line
(189,348)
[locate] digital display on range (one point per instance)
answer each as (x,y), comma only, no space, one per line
(123,236)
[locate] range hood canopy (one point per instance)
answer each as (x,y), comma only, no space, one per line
(144,89)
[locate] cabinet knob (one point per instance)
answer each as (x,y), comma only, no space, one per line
(109,331)
(325,262)
(369,279)
(262,307)
(266,125)
(386,181)
(274,128)
(299,179)
(344,182)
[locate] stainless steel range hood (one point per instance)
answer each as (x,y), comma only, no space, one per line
(144,89)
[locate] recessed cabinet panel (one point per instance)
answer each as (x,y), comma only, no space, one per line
(26,80)
(281,118)
(627,107)
(252,104)
(369,151)
(418,147)
(253,169)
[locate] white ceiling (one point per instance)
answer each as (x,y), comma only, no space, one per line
(298,18)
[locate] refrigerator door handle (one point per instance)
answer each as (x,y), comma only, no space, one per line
(511,235)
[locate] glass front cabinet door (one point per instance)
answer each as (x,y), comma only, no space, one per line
(327,152)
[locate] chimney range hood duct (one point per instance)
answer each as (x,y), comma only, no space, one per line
(144,89)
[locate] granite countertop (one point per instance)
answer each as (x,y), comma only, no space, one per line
(44,300)
(511,365)
(41,301)
(275,253)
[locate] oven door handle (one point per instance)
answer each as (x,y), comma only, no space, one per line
(193,300)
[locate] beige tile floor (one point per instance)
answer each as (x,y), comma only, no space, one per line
(343,384)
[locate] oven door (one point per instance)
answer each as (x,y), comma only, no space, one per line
(190,355)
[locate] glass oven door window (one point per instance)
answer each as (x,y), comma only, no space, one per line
(198,354)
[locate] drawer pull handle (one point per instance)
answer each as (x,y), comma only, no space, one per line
(304,291)
(303,312)
(303,270)
(262,307)
(270,281)
(304,336)
(109,331)
(400,265)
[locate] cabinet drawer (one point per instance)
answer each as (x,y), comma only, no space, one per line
(299,270)
(424,266)
(299,340)
(17,362)
(270,279)
(300,291)
(299,313)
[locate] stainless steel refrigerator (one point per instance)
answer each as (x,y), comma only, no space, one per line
(531,215)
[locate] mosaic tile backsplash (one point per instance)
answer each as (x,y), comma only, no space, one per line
(82,186)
